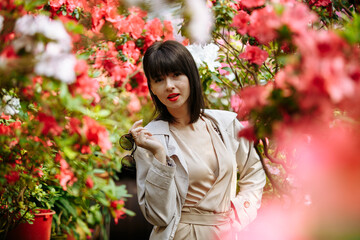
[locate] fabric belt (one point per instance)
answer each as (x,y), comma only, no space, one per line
(209,219)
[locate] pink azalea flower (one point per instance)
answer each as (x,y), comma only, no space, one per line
(66,176)
(235,102)
(254,55)
(252,3)
(241,21)
(263,25)
(222,71)
(134,104)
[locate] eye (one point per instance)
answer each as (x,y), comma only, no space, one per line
(158,79)
(176,74)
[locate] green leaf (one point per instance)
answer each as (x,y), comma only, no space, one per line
(73,27)
(83,226)
(352,30)
(69,153)
(215,78)
(103,113)
(129,212)
(67,206)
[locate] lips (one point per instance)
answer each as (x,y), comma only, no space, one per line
(173,97)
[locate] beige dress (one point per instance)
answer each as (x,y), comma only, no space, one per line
(207,213)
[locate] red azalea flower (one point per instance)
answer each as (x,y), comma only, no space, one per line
(318,3)
(168,31)
(12,177)
(131,51)
(49,125)
(84,85)
(97,134)
(136,25)
(56,4)
(97,17)
(85,149)
(247,133)
(74,126)
(89,182)
(154,31)
(137,11)
(38,172)
(118,205)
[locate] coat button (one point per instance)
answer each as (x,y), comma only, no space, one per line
(246,204)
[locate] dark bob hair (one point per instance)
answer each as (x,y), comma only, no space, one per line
(164,58)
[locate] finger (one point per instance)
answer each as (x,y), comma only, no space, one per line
(136,131)
(140,135)
(136,124)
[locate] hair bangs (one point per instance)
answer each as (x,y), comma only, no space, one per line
(164,63)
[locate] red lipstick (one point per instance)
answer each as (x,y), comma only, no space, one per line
(173,96)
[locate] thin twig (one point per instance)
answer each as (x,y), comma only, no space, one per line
(272,159)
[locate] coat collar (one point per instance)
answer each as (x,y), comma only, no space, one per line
(222,118)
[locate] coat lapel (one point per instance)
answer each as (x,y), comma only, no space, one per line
(160,127)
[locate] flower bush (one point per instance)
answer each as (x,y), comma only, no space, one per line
(71,86)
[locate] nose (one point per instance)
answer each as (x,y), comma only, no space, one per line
(169,83)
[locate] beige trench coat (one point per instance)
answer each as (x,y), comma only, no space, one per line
(162,189)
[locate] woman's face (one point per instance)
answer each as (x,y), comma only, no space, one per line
(172,90)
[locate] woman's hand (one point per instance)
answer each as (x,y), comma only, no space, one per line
(143,138)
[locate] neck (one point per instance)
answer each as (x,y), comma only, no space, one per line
(182,116)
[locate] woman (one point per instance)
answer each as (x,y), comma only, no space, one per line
(187,158)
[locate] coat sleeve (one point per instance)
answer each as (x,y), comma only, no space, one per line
(252,179)
(155,187)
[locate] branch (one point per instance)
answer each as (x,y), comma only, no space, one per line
(268,70)
(268,174)
(346,9)
(236,56)
(272,159)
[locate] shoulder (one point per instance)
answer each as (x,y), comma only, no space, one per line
(225,118)
(158,127)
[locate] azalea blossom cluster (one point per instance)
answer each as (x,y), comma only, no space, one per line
(265,23)
(125,70)
(121,59)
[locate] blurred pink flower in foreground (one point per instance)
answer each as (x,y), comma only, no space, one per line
(134,105)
